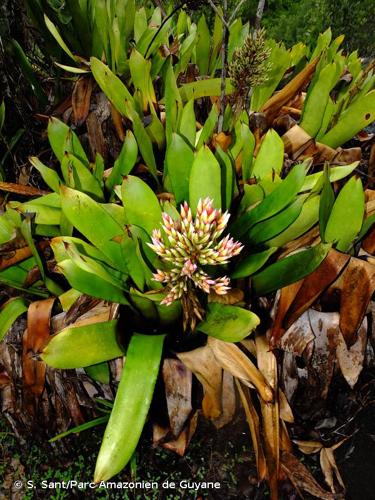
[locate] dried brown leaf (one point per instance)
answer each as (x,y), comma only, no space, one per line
(81,98)
(351,359)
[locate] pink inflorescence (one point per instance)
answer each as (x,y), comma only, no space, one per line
(191,243)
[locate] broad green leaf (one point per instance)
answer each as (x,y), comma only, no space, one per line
(63,139)
(356,117)
(94,222)
(327,200)
(99,372)
(273,226)
(125,162)
(205,179)
(56,35)
(60,244)
(346,218)
(335,174)
(252,263)
(9,312)
(132,403)
(7,229)
(144,144)
(228,178)
(290,269)
(270,157)
(44,214)
(248,141)
(228,323)
(208,128)
(317,99)
(172,102)
(366,226)
(280,198)
(142,208)
(50,176)
(179,159)
(112,86)
(188,125)
(204,88)
(203,46)
(81,346)
(81,177)
(72,69)
(306,220)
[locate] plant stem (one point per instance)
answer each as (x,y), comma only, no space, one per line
(224,61)
(259,14)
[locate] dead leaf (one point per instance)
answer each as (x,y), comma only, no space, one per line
(308,447)
(285,299)
(205,367)
(272,107)
(11,187)
(301,478)
(179,444)
(329,467)
(296,141)
(355,299)
(228,401)
(351,359)
(315,284)
(81,98)
(254,426)
(222,140)
(368,244)
(178,384)
(298,336)
(117,121)
(286,413)
(33,341)
(232,359)
(95,135)
(14,257)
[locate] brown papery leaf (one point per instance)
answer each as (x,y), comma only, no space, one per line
(351,359)
(232,359)
(208,371)
(272,107)
(117,121)
(81,98)
(11,187)
(254,426)
(357,288)
(286,413)
(330,469)
(296,141)
(308,447)
(180,444)
(270,412)
(286,297)
(228,401)
(222,140)
(19,255)
(315,284)
(301,478)
(368,244)
(178,383)
(33,341)
(95,135)
(298,336)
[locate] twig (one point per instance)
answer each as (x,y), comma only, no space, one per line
(259,14)
(224,60)
(234,13)
(222,18)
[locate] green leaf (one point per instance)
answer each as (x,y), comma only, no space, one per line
(188,125)
(142,208)
(346,218)
(206,132)
(94,222)
(204,88)
(56,35)
(2,114)
(125,162)
(351,121)
(228,177)
(9,312)
(279,198)
(80,428)
(327,200)
(112,86)
(289,270)
(205,179)
(252,263)
(63,139)
(270,157)
(50,176)
(99,372)
(81,346)
(248,141)
(133,400)
(80,176)
(144,144)
(273,226)
(228,323)
(335,174)
(203,46)
(179,159)
(306,220)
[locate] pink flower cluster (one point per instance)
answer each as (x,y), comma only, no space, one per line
(190,243)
